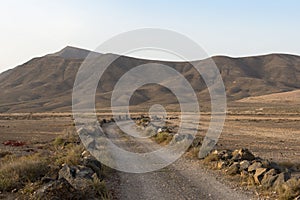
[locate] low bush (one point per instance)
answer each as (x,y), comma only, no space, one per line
(163,137)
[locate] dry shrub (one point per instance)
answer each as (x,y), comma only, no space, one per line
(289,190)
(163,137)
(19,171)
(99,187)
(59,141)
(71,155)
(210,158)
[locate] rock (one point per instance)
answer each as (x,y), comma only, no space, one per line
(164,129)
(242,154)
(233,169)
(266,164)
(220,154)
(94,164)
(227,155)
(247,155)
(282,178)
(221,164)
(78,177)
(197,142)
(254,166)
(244,164)
(269,179)
(259,174)
(59,189)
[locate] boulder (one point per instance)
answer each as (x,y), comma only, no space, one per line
(254,166)
(227,155)
(223,155)
(233,169)
(58,189)
(244,164)
(94,164)
(259,174)
(78,177)
(242,154)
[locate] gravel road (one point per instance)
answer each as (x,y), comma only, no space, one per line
(184,179)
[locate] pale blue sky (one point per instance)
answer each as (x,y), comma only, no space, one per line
(222,27)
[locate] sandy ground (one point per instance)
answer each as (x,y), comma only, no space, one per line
(269,135)
(273,136)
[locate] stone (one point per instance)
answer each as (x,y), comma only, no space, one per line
(246,155)
(266,164)
(254,166)
(94,164)
(78,177)
(259,174)
(58,189)
(244,164)
(233,169)
(197,142)
(242,154)
(227,155)
(221,164)
(269,178)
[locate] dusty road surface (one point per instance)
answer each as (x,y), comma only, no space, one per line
(184,179)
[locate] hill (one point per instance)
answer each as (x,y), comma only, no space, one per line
(45,84)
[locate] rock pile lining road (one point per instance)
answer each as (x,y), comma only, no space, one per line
(256,171)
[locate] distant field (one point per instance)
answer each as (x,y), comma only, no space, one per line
(282,97)
(268,132)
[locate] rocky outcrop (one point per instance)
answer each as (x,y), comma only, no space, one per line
(255,170)
(73,182)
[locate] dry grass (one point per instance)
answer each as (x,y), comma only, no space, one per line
(163,137)
(289,190)
(70,156)
(210,158)
(99,187)
(16,172)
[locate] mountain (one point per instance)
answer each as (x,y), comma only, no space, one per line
(71,53)
(45,84)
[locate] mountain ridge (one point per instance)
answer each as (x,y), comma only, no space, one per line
(45,83)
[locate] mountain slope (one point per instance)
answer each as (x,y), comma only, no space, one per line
(45,83)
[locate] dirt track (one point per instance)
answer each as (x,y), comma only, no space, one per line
(184,179)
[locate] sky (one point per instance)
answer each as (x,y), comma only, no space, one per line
(234,28)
